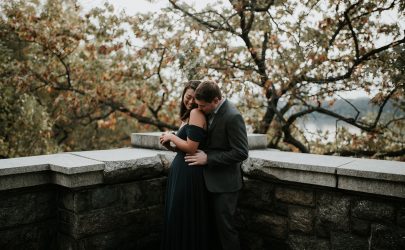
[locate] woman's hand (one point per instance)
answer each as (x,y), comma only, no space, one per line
(166,138)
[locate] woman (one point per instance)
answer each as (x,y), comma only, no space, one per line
(186,209)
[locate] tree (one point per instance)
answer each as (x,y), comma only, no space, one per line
(80,72)
(301,54)
(92,82)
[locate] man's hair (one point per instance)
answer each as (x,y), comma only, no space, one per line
(207,91)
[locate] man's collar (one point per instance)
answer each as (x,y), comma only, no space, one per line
(219,106)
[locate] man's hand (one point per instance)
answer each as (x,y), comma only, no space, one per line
(199,158)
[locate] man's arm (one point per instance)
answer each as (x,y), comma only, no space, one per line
(238,142)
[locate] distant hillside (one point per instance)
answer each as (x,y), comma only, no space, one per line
(362,104)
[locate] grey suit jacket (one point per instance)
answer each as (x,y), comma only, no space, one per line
(226,148)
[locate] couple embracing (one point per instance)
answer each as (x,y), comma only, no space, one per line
(205,176)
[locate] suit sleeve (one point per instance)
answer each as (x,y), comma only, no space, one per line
(239,150)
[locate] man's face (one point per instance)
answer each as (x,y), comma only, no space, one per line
(207,107)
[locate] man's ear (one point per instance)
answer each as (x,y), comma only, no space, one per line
(216,100)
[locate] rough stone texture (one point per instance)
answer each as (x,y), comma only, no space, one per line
(299,242)
(372,186)
(116,172)
(343,241)
(27,218)
(40,235)
(268,224)
(386,237)
(371,210)
(295,196)
(27,207)
(301,219)
(401,217)
(332,213)
(360,227)
(393,171)
(257,194)
(289,168)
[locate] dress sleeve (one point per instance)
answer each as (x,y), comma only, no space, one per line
(195,133)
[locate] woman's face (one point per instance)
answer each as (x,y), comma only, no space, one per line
(188,99)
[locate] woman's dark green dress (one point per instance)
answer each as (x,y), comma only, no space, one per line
(187,216)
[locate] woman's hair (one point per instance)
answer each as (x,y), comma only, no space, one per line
(207,91)
(184,112)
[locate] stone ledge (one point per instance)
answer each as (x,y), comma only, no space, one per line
(63,169)
(373,176)
(374,169)
(295,167)
(151,140)
(116,165)
(362,175)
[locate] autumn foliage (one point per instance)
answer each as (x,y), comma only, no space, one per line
(76,80)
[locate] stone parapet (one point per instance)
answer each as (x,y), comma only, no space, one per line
(79,169)
(105,199)
(362,175)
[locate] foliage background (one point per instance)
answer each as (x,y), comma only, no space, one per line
(72,80)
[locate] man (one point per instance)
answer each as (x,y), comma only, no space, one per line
(227,147)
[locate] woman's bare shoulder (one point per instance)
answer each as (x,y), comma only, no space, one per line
(196,112)
(197,118)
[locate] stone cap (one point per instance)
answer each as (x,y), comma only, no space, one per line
(151,140)
(77,169)
(363,175)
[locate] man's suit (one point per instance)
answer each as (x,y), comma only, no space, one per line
(226,149)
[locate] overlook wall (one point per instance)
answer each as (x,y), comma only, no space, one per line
(113,199)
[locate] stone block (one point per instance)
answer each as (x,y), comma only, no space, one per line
(147,140)
(386,237)
(332,213)
(257,194)
(90,199)
(360,227)
(270,225)
(372,186)
(22,165)
(300,242)
(118,155)
(110,219)
(142,194)
(344,241)
(167,159)
(25,208)
(9,182)
(401,217)
(301,168)
(31,236)
(393,171)
(295,196)
(124,171)
(151,140)
(77,180)
(373,176)
(300,219)
(373,210)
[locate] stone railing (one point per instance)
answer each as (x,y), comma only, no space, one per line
(113,199)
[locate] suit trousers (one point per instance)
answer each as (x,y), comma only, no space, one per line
(224,207)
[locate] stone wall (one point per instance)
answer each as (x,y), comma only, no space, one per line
(113,199)
(275,215)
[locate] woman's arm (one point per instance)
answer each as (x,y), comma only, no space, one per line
(188,146)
